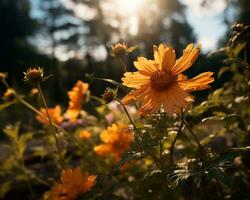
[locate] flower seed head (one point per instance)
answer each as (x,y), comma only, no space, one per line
(34,75)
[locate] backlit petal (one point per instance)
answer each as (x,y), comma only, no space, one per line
(189,56)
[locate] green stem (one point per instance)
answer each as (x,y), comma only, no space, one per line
(127,113)
(194,136)
(32,108)
(122,61)
(27,179)
(161,151)
(96,99)
(175,139)
(154,157)
(50,122)
(5,83)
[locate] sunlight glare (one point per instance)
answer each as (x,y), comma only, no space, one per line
(128,6)
(129,10)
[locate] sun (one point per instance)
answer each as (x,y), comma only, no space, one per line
(128,6)
(129,11)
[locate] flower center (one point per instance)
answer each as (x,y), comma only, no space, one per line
(161,80)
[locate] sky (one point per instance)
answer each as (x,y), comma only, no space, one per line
(207,22)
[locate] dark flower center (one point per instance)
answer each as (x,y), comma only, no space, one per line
(161,80)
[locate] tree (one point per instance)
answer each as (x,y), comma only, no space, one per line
(16,27)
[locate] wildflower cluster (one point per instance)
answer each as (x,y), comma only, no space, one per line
(175,148)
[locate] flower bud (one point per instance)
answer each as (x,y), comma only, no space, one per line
(3,76)
(109,95)
(9,95)
(119,50)
(238,27)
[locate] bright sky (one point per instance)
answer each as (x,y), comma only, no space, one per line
(207,22)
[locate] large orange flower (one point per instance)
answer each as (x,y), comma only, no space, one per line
(160,83)
(117,139)
(73,184)
(76,96)
(54,113)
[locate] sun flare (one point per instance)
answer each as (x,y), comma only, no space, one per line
(129,11)
(128,6)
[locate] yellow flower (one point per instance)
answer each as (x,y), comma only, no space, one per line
(116,139)
(84,134)
(77,95)
(55,114)
(160,83)
(73,184)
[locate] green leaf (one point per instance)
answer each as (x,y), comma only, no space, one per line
(222,71)
(218,174)
(6,105)
(11,131)
(210,118)
(232,118)
(22,142)
(4,188)
(236,50)
(132,48)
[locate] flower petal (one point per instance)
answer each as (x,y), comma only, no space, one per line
(199,82)
(189,56)
(164,55)
(135,79)
(145,66)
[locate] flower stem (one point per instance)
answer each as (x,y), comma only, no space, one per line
(27,179)
(50,122)
(5,83)
(154,157)
(192,133)
(32,108)
(122,61)
(129,117)
(161,151)
(175,139)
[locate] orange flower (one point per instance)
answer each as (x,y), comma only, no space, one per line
(160,83)
(117,139)
(84,134)
(76,96)
(55,114)
(73,184)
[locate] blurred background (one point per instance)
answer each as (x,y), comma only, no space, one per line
(70,38)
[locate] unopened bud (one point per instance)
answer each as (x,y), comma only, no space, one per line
(119,50)
(109,95)
(9,95)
